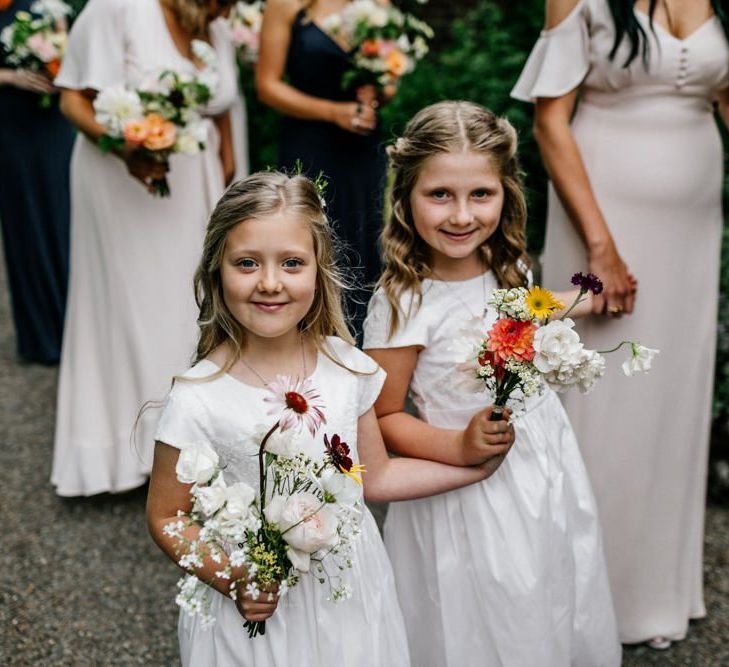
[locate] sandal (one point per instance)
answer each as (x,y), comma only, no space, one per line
(659,643)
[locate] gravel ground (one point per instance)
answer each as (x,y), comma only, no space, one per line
(81,583)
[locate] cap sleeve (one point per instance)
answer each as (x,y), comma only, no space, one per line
(94,55)
(183,420)
(412,329)
(559,60)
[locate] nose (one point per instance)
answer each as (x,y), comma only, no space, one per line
(462,214)
(270,281)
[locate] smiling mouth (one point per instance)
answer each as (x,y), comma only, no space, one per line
(269,307)
(458,236)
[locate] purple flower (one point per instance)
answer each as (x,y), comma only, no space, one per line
(587,283)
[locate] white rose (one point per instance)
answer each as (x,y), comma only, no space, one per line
(305,524)
(555,345)
(116,105)
(378,17)
(590,370)
(285,443)
(640,361)
(197,464)
(186,144)
(238,499)
(344,489)
(210,498)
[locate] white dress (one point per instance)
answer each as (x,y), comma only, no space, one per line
(306,630)
(653,155)
(130,321)
(508,572)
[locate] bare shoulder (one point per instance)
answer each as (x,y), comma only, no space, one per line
(557,11)
(283,10)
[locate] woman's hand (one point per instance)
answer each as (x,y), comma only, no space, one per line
(484,439)
(26,79)
(259,609)
(618,295)
(355,117)
(144,168)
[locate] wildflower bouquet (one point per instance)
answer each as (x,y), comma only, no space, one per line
(244,24)
(386,43)
(305,517)
(526,349)
(161,117)
(37,40)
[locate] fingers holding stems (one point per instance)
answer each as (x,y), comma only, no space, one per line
(259,608)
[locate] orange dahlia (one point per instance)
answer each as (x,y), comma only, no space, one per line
(511,339)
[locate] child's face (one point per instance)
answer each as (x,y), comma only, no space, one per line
(456,205)
(269,274)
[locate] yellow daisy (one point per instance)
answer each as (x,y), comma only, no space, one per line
(541,303)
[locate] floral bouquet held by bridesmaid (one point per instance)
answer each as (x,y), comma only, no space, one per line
(526,349)
(38,42)
(244,23)
(305,519)
(386,43)
(162,116)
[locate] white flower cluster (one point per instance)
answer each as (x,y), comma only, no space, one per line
(244,25)
(34,40)
(511,303)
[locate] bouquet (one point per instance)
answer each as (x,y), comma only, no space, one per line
(244,24)
(305,518)
(386,43)
(526,349)
(37,41)
(161,117)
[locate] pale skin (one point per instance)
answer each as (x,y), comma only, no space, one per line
(456,204)
(268,275)
(359,117)
(77,106)
(564,163)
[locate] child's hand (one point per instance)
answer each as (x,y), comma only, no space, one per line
(484,439)
(260,609)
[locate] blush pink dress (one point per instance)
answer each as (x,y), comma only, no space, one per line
(653,154)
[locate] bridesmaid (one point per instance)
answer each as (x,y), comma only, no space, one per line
(130,311)
(636,170)
(35,149)
(329,129)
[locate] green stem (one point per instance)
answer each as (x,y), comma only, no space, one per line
(616,348)
(578,299)
(261,467)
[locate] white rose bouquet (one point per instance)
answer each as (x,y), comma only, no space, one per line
(244,24)
(163,115)
(526,349)
(304,519)
(386,43)
(37,40)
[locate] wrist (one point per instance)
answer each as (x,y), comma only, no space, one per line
(6,76)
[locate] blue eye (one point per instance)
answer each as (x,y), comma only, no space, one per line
(246,263)
(439,194)
(481,193)
(293,263)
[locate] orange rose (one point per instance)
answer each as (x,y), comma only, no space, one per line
(4,4)
(370,47)
(396,62)
(53,67)
(161,133)
(136,132)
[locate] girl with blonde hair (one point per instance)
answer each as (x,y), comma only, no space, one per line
(270,304)
(512,567)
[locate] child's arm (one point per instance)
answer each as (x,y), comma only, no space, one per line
(587,303)
(407,435)
(166,496)
(391,479)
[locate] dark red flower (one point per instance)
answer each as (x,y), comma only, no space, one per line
(338,451)
(587,283)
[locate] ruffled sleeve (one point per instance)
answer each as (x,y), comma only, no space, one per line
(184,420)
(559,61)
(95,55)
(412,329)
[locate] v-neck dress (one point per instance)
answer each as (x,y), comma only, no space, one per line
(653,155)
(130,322)
(306,630)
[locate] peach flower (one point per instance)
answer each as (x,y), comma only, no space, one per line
(161,133)
(136,132)
(511,339)
(53,67)
(371,47)
(396,62)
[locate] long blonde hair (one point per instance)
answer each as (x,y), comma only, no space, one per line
(192,15)
(258,196)
(451,127)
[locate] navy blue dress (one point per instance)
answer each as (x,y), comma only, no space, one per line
(35,149)
(354,165)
